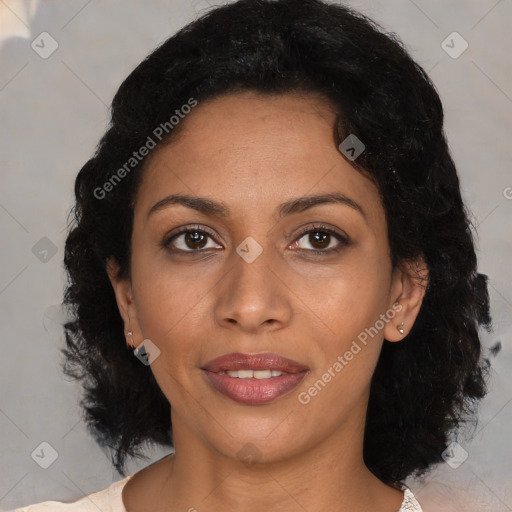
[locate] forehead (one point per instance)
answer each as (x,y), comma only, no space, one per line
(252,151)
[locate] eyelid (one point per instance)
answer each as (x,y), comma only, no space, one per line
(343,239)
(319,226)
(182,230)
(341,236)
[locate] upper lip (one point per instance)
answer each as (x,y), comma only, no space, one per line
(263,361)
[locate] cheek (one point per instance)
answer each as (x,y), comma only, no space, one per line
(165,306)
(170,319)
(348,306)
(165,296)
(344,360)
(347,297)
(173,305)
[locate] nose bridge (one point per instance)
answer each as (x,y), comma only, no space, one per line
(252,264)
(251,294)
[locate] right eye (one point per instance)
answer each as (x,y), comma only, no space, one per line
(192,239)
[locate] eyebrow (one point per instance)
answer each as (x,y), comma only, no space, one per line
(219,209)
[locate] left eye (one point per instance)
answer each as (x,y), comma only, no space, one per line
(320,238)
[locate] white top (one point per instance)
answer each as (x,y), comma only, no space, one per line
(110,500)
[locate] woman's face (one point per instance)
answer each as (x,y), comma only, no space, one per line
(246,279)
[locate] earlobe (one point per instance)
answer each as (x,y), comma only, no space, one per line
(408,290)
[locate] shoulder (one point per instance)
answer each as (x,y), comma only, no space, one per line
(107,500)
(409,504)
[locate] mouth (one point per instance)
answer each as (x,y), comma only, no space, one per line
(254,378)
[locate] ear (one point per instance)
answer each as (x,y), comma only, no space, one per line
(125,302)
(409,283)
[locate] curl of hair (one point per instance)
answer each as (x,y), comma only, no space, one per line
(424,386)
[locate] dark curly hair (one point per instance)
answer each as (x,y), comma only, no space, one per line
(424,387)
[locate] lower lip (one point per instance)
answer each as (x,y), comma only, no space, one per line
(254,391)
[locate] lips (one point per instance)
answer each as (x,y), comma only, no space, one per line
(251,390)
(264,361)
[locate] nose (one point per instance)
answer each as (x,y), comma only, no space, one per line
(253,295)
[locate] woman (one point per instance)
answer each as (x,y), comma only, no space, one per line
(273,225)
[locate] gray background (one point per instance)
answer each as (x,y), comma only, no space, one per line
(54,111)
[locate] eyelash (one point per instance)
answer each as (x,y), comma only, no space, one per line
(343,240)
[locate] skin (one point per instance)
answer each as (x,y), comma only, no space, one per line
(252,153)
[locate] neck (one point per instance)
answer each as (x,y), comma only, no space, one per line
(330,475)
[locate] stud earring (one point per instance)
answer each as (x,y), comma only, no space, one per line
(400,328)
